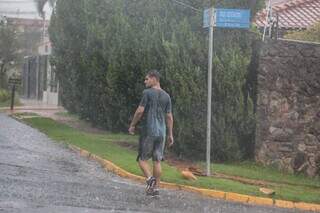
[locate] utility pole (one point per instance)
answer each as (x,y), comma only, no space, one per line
(44,26)
(268,20)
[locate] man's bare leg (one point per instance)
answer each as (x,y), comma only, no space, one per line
(157,172)
(144,166)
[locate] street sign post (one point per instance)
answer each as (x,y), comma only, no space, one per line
(207,15)
(224,18)
(14,82)
(232,18)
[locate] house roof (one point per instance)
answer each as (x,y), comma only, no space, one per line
(27,22)
(25,9)
(277,1)
(293,14)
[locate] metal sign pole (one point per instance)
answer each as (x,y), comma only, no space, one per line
(12,96)
(13,82)
(209,93)
(220,18)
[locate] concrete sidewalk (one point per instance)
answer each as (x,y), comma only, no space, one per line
(34,106)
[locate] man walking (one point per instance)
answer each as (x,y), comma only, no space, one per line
(155,113)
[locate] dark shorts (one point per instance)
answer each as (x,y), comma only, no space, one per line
(151,147)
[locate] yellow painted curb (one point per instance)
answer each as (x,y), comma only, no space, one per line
(84,153)
(172,186)
(237,197)
(260,201)
(307,206)
(206,192)
(284,204)
(74,148)
(98,159)
(230,196)
(121,172)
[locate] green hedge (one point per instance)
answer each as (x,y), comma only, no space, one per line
(102,50)
(4,95)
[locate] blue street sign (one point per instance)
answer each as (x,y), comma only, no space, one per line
(233,25)
(232,18)
(207,13)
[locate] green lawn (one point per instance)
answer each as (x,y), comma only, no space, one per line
(22,114)
(67,114)
(254,171)
(105,146)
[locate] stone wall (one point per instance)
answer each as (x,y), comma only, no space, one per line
(288,106)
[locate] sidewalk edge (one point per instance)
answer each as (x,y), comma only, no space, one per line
(229,196)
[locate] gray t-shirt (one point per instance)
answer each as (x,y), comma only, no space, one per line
(157,104)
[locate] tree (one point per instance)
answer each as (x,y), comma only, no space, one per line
(8,51)
(102,49)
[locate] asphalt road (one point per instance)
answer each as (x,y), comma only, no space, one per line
(40,175)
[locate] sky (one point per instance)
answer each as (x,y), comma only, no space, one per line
(22,9)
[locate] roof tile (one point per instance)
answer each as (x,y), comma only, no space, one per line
(293,14)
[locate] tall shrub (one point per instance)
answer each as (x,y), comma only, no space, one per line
(102,50)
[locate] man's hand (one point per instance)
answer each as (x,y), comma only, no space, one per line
(131,130)
(137,116)
(170,140)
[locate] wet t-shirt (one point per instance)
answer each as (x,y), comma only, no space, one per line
(157,104)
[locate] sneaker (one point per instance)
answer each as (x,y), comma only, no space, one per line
(151,182)
(155,192)
(149,192)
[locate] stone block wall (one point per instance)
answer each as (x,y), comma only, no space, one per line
(288,106)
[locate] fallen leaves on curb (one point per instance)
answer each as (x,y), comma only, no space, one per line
(188,175)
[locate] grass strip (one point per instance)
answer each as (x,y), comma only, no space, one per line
(107,146)
(252,170)
(7,103)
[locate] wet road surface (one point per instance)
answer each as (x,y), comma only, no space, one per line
(40,175)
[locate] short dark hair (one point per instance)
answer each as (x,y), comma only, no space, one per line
(154,74)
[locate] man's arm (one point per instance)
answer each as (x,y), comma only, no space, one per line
(169,121)
(136,118)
